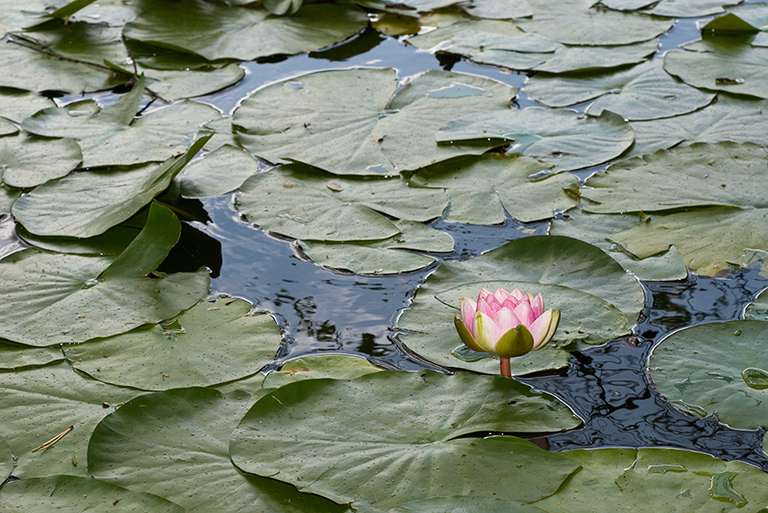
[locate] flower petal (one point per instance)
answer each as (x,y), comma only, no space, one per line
(515,342)
(468,310)
(524,312)
(538,305)
(487,332)
(506,320)
(466,336)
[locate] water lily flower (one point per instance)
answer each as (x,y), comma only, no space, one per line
(506,324)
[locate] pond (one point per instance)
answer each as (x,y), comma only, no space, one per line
(657,275)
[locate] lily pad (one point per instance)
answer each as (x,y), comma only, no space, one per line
(599,229)
(16,356)
(464,504)
(349,122)
(217,173)
(659,479)
(7,460)
(388,256)
(70,206)
(79,494)
(577,22)
(577,272)
(383,458)
(563,138)
(29,161)
(318,366)
(758,309)
(7,127)
(645,91)
(211,343)
(112,136)
(220,31)
(175,444)
(17,105)
(481,189)
(498,9)
(110,243)
(42,402)
(716,368)
(727,119)
(8,196)
(726,64)
(53,298)
(309,204)
(672,8)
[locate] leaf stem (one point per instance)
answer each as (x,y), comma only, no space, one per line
(506,371)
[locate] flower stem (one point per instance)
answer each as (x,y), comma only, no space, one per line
(505,369)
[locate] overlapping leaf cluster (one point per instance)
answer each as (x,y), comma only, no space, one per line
(359,162)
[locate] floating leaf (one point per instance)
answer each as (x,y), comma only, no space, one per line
(348,121)
(388,256)
(498,9)
(23,154)
(664,479)
(482,188)
(70,206)
(580,275)
(296,201)
(314,366)
(384,458)
(716,368)
(175,444)
(758,309)
(211,343)
(220,31)
(725,64)
(7,460)
(112,136)
(645,91)
(217,173)
(672,8)
(40,403)
(17,105)
(52,298)
(8,196)
(563,138)
(464,504)
(16,356)
(81,494)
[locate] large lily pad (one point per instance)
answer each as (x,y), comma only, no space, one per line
(17,105)
(217,173)
(563,138)
(727,119)
(42,402)
(564,269)
(79,494)
(716,368)
(7,460)
(383,458)
(29,161)
(16,356)
(112,136)
(220,31)
(53,298)
(645,91)
(305,203)
(211,343)
(481,189)
(389,256)
(672,8)
(348,121)
(318,366)
(88,203)
(175,444)
(8,196)
(577,22)
(725,64)
(670,480)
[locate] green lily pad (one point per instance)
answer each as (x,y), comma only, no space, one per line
(7,127)
(70,206)
(210,343)
(672,8)
(671,480)
(716,368)
(382,459)
(110,243)
(17,356)
(727,119)
(26,69)
(217,173)
(306,203)
(8,196)
(42,402)
(645,91)
(498,9)
(7,460)
(79,494)
(577,22)
(690,176)
(112,136)
(175,444)
(578,272)
(563,138)
(752,17)
(758,309)
(23,154)
(53,298)
(725,64)
(220,31)
(336,366)
(599,229)
(482,188)
(464,504)
(388,256)
(17,105)
(352,122)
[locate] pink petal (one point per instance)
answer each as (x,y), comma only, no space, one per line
(539,328)
(524,312)
(517,294)
(488,305)
(500,295)
(538,305)
(510,303)
(506,320)
(488,332)
(468,310)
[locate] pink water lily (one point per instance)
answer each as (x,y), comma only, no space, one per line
(506,324)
